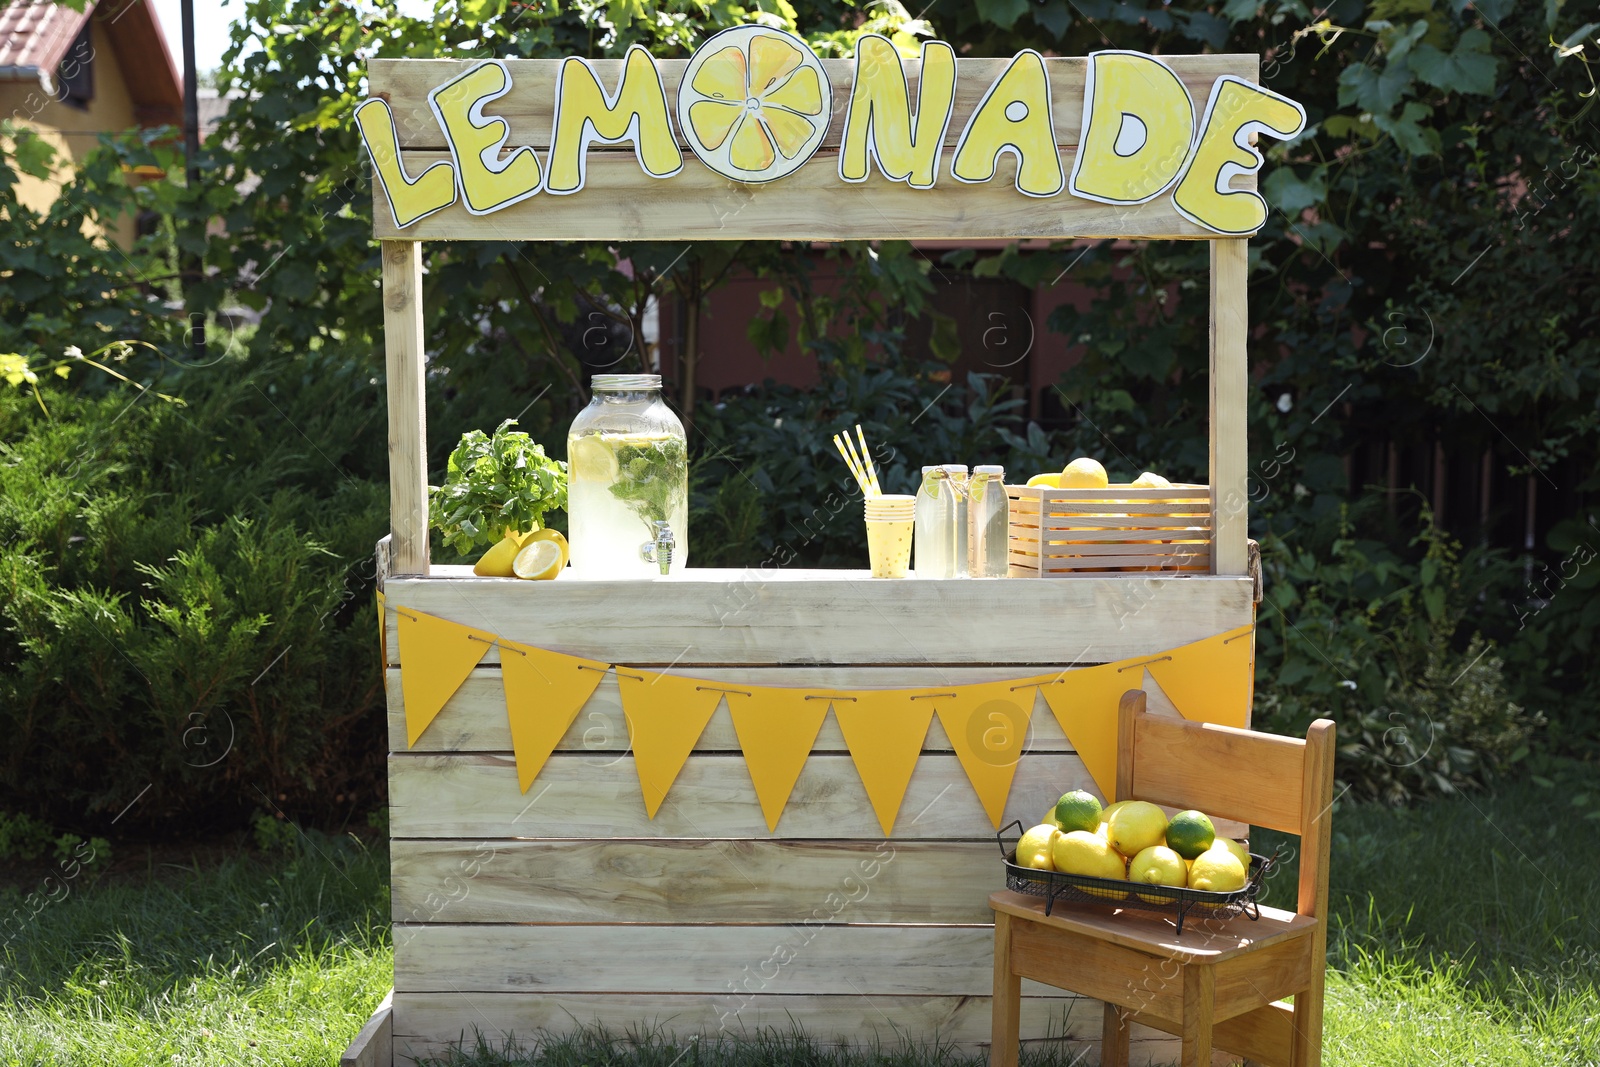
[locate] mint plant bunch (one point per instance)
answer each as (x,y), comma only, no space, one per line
(495,485)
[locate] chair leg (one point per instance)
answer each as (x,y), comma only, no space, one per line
(1199,994)
(1006,1008)
(1114,1038)
(1306,1044)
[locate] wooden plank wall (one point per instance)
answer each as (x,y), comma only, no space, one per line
(567,905)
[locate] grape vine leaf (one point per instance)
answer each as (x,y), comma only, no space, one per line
(1466,68)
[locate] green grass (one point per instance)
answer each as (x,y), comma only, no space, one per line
(257,960)
(1463,933)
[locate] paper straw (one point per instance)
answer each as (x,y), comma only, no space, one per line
(855,471)
(872,471)
(867,488)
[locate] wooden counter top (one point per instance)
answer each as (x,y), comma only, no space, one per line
(784,616)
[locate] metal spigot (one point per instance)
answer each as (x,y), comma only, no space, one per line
(659,550)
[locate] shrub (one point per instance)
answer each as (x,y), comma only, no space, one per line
(185,609)
(1384,646)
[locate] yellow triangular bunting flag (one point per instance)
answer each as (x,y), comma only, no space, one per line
(435,658)
(544,692)
(776,729)
(1210,680)
(1084,702)
(666,715)
(383,638)
(987,725)
(884,730)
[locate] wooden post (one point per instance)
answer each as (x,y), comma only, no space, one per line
(408,431)
(1230,383)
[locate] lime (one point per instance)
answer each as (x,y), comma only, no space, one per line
(1190,833)
(1033,850)
(1078,810)
(1158,865)
(1136,826)
(1081,852)
(1217,871)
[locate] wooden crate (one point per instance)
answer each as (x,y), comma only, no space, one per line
(1064,533)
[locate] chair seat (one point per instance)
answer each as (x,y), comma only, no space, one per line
(1202,941)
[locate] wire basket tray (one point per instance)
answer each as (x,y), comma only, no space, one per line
(1172,902)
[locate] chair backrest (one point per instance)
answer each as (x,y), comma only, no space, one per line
(1282,783)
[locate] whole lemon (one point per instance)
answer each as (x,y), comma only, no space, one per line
(1091,855)
(1217,871)
(1078,810)
(1136,826)
(1035,847)
(496,563)
(1049,481)
(1084,473)
(1158,865)
(1190,833)
(1150,480)
(1110,809)
(1239,851)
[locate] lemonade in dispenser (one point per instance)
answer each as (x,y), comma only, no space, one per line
(628,482)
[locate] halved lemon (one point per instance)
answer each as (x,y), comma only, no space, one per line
(554,536)
(539,560)
(754,103)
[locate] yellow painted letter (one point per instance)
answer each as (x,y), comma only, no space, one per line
(1138,123)
(410,199)
(488,183)
(878,121)
(584,113)
(1014,117)
(1236,110)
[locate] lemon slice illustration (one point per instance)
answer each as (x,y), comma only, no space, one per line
(754,103)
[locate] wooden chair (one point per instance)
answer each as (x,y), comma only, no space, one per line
(1220,983)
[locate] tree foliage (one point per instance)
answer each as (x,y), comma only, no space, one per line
(1427,274)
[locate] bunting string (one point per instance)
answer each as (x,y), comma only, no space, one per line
(987,723)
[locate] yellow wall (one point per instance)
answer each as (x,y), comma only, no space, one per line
(73,133)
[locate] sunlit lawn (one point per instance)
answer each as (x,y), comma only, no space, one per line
(1464,934)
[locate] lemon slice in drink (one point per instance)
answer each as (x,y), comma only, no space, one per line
(590,459)
(539,560)
(754,103)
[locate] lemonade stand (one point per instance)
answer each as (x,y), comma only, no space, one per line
(724,800)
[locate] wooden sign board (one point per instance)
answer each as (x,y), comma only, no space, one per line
(627,149)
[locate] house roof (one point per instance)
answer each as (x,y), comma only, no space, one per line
(35,36)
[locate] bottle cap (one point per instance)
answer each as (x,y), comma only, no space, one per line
(989,468)
(956,468)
